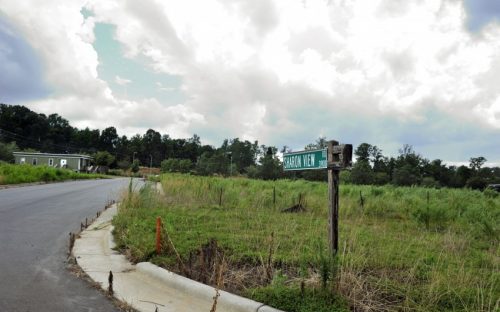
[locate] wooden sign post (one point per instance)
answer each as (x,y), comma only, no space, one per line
(333,200)
(334,158)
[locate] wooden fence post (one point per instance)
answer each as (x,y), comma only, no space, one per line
(274,196)
(158,236)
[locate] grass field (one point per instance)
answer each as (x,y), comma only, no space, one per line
(401,249)
(15,174)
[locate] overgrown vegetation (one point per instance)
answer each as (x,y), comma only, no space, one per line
(15,174)
(402,248)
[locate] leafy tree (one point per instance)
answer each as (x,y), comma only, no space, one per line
(430,182)
(60,133)
(191,148)
(405,176)
(135,166)
(185,165)
(381,178)
(103,158)
(461,176)
(371,154)
(151,147)
(87,140)
(361,173)
(270,168)
(345,176)
(320,143)
(362,152)
(476,183)
(243,153)
(408,167)
(439,172)
(213,163)
(176,165)
(122,149)
(109,139)
(24,126)
(6,150)
(477,162)
(169,165)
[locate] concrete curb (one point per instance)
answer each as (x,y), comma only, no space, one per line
(227,301)
(136,283)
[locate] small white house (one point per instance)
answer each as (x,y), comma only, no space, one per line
(75,162)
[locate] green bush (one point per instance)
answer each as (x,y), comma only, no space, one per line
(176,165)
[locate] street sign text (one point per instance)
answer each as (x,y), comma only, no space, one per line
(305,160)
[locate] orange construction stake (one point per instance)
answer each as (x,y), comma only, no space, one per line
(158,235)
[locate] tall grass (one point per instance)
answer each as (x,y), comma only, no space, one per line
(400,248)
(15,174)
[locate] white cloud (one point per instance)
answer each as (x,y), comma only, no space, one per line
(122,81)
(402,56)
(63,39)
(255,69)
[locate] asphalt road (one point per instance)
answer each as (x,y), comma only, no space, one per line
(35,222)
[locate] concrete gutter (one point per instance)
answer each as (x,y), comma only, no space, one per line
(144,286)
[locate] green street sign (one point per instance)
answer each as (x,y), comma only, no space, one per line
(305,160)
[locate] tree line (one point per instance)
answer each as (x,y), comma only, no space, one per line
(23,129)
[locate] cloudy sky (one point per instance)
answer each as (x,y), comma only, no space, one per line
(284,72)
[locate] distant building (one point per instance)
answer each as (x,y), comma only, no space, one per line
(74,162)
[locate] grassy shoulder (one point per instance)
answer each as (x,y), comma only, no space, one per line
(16,174)
(401,248)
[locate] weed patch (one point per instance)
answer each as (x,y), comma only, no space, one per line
(403,249)
(16,174)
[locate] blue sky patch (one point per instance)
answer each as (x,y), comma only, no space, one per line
(144,82)
(21,70)
(481,12)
